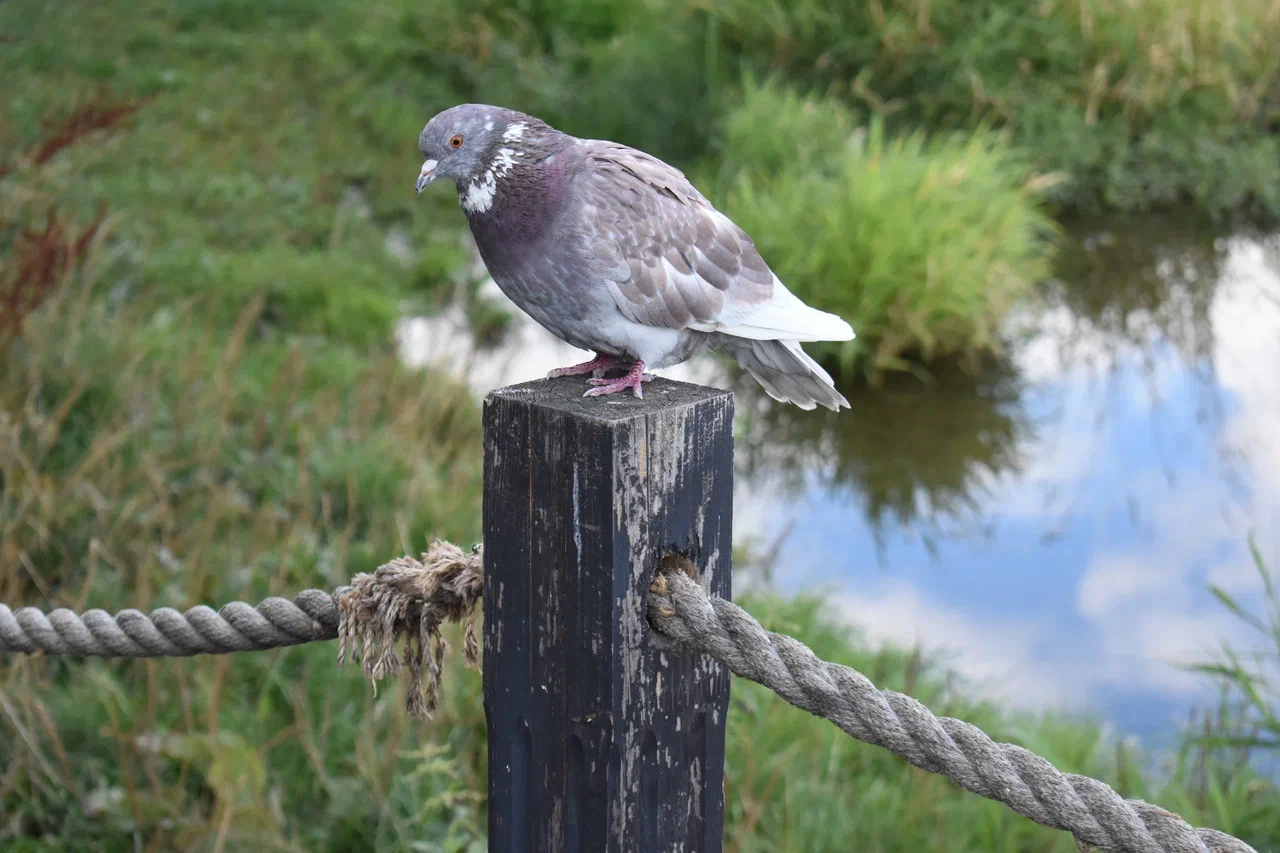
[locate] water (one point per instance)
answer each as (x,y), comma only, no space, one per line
(1050,522)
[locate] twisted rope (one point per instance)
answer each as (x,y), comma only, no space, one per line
(404,603)
(1091,811)
(237,627)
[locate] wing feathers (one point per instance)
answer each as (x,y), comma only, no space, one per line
(674,261)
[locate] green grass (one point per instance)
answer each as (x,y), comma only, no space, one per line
(163,459)
(200,399)
(275,151)
(1140,103)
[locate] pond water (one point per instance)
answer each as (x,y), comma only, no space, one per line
(1050,521)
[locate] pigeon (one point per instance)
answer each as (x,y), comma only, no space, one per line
(615,252)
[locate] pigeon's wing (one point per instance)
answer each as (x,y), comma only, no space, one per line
(668,257)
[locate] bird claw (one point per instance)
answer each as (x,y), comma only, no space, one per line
(613,388)
(633,381)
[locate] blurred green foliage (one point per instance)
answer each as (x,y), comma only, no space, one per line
(153,458)
(1140,104)
(968,239)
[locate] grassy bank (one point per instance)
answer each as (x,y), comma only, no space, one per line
(154,459)
(1139,104)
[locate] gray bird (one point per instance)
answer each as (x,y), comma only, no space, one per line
(614,251)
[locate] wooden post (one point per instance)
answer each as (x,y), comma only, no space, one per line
(599,741)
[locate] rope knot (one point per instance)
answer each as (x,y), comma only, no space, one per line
(404,603)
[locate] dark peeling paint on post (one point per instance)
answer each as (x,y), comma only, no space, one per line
(599,740)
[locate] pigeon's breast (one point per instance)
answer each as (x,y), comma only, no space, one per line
(536,254)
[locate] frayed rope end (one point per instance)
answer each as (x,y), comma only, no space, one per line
(403,604)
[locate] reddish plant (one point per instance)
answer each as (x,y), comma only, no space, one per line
(91,115)
(40,257)
(82,121)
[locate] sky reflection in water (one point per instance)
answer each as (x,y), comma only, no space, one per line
(1052,525)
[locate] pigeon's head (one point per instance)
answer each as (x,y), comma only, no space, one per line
(463,142)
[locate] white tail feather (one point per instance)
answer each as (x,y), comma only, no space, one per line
(783,317)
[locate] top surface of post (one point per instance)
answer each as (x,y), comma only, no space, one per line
(565,394)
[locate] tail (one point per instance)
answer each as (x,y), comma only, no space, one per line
(786,372)
(783,317)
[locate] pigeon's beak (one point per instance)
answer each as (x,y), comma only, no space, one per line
(427,175)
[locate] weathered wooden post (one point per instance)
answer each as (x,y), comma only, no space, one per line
(598,740)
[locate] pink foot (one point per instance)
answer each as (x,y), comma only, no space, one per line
(597,367)
(634,381)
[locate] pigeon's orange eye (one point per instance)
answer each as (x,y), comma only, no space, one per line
(455,141)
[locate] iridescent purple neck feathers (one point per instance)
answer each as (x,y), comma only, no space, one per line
(516,164)
(525,203)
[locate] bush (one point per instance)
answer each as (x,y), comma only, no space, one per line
(922,244)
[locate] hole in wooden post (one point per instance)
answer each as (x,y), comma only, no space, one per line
(672,563)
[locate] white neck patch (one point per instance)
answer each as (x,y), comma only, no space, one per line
(514,132)
(479,195)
